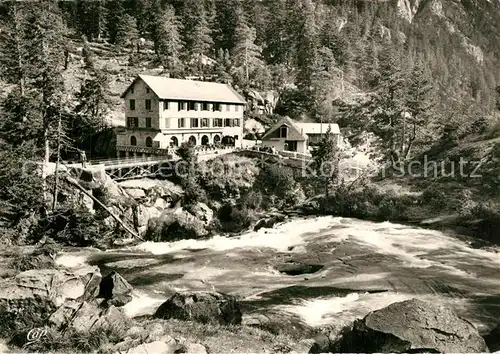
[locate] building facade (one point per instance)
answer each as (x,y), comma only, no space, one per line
(287,135)
(162,113)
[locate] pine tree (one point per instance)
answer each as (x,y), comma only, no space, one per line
(12,51)
(88,54)
(307,47)
(222,68)
(277,50)
(41,30)
(497,91)
(418,124)
(334,39)
(228,15)
(21,121)
(246,54)
(327,157)
(196,32)
(127,33)
(45,54)
(388,108)
(322,86)
(91,18)
(115,11)
(92,104)
(167,40)
(145,12)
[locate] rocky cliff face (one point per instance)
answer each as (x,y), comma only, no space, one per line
(473,24)
(408,8)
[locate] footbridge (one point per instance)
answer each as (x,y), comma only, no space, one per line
(123,168)
(165,166)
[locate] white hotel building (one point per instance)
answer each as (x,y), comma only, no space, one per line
(162,113)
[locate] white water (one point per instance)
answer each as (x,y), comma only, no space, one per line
(142,304)
(409,244)
(280,238)
(71,260)
(341,310)
(410,262)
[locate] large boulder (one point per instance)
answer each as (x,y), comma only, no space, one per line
(269,222)
(91,177)
(88,315)
(154,189)
(174,225)
(493,339)
(204,307)
(28,300)
(115,289)
(203,213)
(411,326)
(136,193)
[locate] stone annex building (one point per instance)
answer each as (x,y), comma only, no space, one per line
(161,113)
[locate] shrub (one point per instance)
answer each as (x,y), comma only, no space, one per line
(252,200)
(235,219)
(76,342)
(73,227)
(493,125)
(434,196)
(193,192)
(466,204)
(43,257)
(278,182)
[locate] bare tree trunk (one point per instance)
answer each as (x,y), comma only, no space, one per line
(125,227)
(19,55)
(403,136)
(56,173)
(246,63)
(410,142)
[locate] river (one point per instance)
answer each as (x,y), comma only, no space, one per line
(354,267)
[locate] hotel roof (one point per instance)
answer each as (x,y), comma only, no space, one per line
(189,90)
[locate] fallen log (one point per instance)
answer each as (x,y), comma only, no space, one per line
(118,220)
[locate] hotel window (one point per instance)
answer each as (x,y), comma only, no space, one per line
(217,107)
(194,122)
(204,106)
(236,122)
(283,132)
(192,106)
(148,122)
(182,106)
(204,122)
(132,122)
(228,122)
(148,104)
(217,122)
(180,123)
(133,140)
(166,105)
(132,105)
(149,142)
(228,107)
